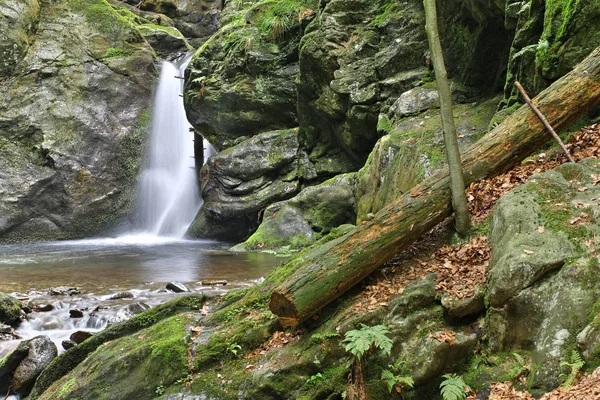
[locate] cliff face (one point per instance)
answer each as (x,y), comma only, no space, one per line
(349,72)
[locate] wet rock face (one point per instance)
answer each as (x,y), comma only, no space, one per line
(40,352)
(18,27)
(243,180)
(543,280)
(73,122)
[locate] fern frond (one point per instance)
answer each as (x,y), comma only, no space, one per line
(453,388)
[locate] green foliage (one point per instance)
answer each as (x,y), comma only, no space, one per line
(360,341)
(576,364)
(314,380)
(393,381)
(382,19)
(453,387)
(117,52)
(160,390)
(233,348)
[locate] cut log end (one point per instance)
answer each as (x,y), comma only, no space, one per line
(285,309)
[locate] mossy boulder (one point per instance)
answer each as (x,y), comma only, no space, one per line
(543,279)
(241,81)
(130,367)
(242,180)
(195,19)
(10,309)
(307,217)
(165,40)
(74,119)
(412,150)
(161,349)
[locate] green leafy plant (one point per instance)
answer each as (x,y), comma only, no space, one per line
(393,378)
(233,348)
(453,387)
(397,382)
(160,390)
(360,341)
(314,380)
(576,363)
(521,367)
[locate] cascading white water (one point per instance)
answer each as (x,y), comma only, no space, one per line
(169,195)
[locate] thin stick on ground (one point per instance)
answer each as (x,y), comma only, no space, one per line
(543,119)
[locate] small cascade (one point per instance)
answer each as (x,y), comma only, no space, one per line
(169,197)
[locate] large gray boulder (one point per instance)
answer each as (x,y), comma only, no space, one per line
(543,279)
(240,182)
(307,217)
(40,352)
(74,113)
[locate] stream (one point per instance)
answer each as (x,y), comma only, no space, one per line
(100,268)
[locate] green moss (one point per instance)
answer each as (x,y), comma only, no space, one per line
(67,361)
(117,52)
(498,367)
(151,28)
(384,16)
(117,24)
(67,387)
(595,310)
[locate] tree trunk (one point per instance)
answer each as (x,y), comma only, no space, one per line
(457,183)
(325,272)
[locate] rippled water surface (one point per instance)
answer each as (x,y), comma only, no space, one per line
(99,268)
(103,265)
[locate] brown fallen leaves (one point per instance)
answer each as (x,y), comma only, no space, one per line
(459,270)
(586,388)
(482,195)
(277,340)
(444,336)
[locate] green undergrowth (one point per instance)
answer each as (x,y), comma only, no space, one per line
(254,25)
(483,369)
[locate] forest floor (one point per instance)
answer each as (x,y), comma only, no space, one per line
(460,268)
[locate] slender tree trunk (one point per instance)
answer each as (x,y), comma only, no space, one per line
(323,273)
(457,183)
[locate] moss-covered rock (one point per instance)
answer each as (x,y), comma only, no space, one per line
(46,384)
(299,222)
(73,123)
(411,151)
(164,40)
(543,279)
(195,19)
(243,180)
(241,81)
(551,38)
(130,367)
(10,310)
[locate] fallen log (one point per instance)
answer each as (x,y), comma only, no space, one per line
(325,272)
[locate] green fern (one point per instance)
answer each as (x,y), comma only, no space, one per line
(360,341)
(575,364)
(393,381)
(453,387)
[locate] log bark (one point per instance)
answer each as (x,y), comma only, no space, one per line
(327,271)
(457,183)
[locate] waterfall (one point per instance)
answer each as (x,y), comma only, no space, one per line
(168,194)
